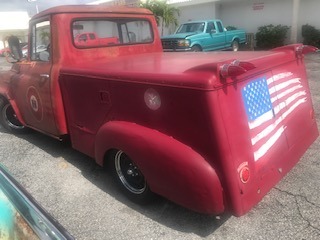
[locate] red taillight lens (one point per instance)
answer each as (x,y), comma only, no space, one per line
(235,68)
(305,49)
(229,70)
(244,174)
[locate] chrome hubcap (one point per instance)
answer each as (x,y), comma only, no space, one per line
(129,174)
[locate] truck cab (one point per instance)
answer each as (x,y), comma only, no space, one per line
(37,100)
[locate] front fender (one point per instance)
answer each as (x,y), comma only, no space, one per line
(171,168)
(5,93)
(193,43)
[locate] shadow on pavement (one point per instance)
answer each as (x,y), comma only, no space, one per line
(161,211)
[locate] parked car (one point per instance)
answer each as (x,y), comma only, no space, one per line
(41,48)
(4,52)
(21,216)
(204,35)
(92,39)
(24,50)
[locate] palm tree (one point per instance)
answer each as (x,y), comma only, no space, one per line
(165,14)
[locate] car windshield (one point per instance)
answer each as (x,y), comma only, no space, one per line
(191,27)
(21,217)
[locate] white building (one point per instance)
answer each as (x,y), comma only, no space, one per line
(251,14)
(13,23)
(245,14)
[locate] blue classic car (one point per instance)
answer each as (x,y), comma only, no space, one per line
(204,35)
(21,217)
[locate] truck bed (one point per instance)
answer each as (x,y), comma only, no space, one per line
(250,137)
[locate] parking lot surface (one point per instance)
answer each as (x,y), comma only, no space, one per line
(83,198)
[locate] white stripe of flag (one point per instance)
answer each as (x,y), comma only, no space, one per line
(285,95)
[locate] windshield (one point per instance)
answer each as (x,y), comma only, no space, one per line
(21,217)
(191,27)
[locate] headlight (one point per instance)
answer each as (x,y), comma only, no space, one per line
(183,43)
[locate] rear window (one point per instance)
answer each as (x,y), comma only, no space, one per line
(110,32)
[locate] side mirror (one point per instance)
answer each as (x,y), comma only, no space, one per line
(213,31)
(15,48)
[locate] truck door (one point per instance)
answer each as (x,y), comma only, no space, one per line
(31,85)
(216,36)
(220,36)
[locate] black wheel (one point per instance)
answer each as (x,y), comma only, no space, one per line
(235,46)
(196,48)
(8,118)
(129,178)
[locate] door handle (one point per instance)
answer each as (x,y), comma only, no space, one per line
(44,75)
(43,78)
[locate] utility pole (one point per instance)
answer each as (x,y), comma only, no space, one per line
(294,24)
(37,9)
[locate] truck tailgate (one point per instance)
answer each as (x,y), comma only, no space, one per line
(267,123)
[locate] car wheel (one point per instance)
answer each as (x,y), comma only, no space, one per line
(8,118)
(129,178)
(196,48)
(235,46)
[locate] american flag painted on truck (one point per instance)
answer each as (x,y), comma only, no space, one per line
(268,102)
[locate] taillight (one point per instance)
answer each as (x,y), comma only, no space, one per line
(235,68)
(244,174)
(305,49)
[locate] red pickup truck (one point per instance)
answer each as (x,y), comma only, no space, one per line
(92,39)
(212,132)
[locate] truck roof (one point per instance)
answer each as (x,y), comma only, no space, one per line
(92,9)
(200,21)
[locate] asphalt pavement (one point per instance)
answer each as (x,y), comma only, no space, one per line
(83,198)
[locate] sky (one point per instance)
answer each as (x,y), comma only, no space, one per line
(31,6)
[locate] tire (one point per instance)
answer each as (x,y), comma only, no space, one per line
(129,178)
(196,48)
(235,45)
(8,118)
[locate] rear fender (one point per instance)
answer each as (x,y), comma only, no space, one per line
(171,168)
(236,38)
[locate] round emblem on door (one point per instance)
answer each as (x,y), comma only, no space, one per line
(35,104)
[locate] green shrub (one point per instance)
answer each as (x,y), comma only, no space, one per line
(311,35)
(270,36)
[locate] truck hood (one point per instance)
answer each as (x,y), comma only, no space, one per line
(188,70)
(179,36)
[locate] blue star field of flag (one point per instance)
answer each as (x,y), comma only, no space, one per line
(256,98)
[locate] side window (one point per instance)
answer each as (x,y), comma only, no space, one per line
(210,27)
(220,26)
(91,36)
(110,32)
(40,41)
(136,32)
